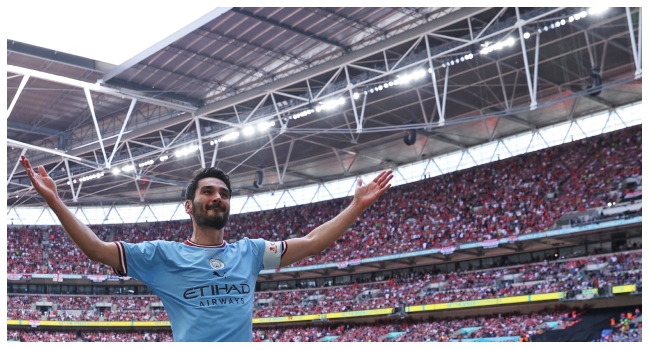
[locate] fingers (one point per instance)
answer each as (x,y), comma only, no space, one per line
(28,167)
(383,178)
(25,162)
(41,170)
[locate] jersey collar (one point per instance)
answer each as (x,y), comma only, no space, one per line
(190,243)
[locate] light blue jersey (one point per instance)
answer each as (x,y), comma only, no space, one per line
(207,291)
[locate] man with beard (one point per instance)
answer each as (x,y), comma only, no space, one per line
(206,284)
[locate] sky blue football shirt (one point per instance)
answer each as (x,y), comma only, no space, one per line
(207,291)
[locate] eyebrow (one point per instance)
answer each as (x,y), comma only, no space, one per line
(210,187)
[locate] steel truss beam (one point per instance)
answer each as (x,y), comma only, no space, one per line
(96,88)
(251,114)
(635,53)
(367,51)
(290,29)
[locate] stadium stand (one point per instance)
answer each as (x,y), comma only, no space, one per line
(530,193)
(518,195)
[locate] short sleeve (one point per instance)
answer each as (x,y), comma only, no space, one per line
(270,252)
(140,261)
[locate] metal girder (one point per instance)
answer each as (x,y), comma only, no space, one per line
(596,99)
(304,75)
(97,88)
(197,122)
(70,180)
(40,130)
(340,61)
(15,143)
(165,42)
(531,88)
(23,82)
(22,153)
(518,120)
(214,154)
(119,136)
(99,134)
(290,29)
(159,93)
(57,56)
(636,54)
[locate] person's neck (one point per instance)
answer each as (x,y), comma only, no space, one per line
(207,235)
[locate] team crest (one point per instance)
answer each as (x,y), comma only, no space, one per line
(273,248)
(217,264)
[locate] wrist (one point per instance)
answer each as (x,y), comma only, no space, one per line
(55,203)
(356,207)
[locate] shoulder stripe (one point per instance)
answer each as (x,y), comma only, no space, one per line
(122,255)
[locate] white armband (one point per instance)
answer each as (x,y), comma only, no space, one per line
(273,253)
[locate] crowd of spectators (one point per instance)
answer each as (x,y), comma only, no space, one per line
(397,291)
(626,329)
(447,329)
(400,330)
(517,195)
(40,336)
(33,335)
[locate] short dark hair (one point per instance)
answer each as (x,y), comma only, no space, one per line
(202,173)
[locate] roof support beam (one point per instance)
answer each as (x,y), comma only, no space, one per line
(635,53)
(197,122)
(520,121)
(290,29)
(70,181)
(351,57)
(214,154)
(99,134)
(39,130)
(22,153)
(119,136)
(157,92)
(50,151)
(23,82)
(531,86)
(165,42)
(97,88)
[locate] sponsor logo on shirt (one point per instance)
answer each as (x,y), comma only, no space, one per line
(223,294)
(217,289)
(273,247)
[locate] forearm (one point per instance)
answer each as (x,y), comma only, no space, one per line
(326,234)
(80,234)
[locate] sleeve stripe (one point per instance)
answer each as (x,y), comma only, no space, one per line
(123,266)
(284,248)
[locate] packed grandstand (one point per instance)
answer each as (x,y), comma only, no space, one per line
(505,200)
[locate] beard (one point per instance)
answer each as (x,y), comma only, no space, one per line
(215,220)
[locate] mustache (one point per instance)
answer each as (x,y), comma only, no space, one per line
(216,206)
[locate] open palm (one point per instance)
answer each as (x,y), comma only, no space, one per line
(367,194)
(42,182)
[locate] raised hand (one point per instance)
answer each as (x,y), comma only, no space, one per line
(43,183)
(366,195)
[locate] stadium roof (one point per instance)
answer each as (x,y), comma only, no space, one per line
(343,86)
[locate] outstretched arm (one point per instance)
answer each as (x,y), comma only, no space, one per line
(324,235)
(81,235)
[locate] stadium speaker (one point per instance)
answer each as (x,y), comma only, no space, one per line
(595,88)
(409,139)
(183,193)
(260,179)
